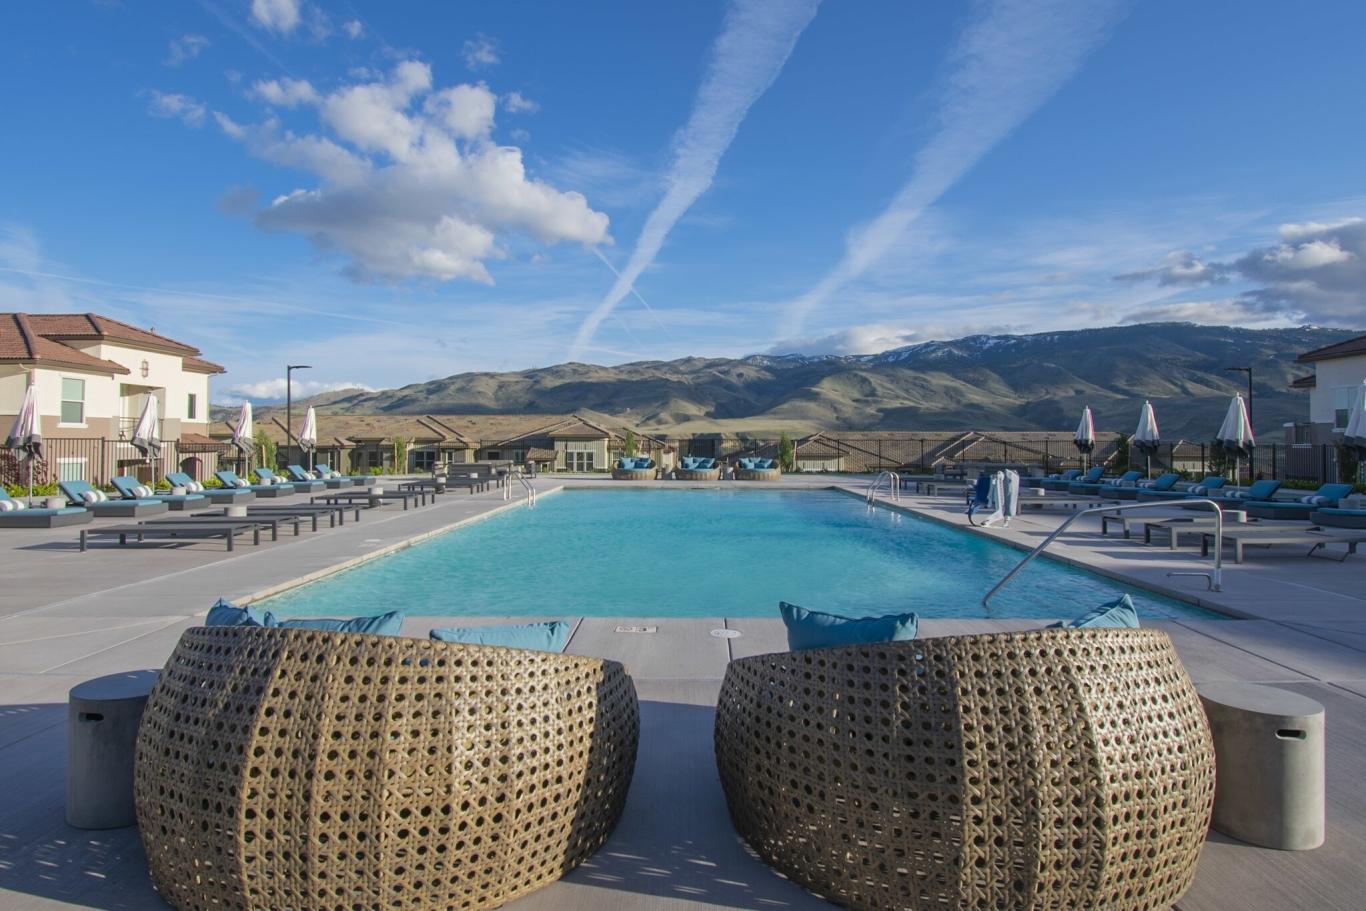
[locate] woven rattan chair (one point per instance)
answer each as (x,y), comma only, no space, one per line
(697,474)
(299,769)
(757,474)
(1053,769)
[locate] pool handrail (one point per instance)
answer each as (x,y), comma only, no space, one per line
(893,486)
(1216,580)
(527,483)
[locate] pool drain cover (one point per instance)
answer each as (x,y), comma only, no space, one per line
(726,633)
(637,629)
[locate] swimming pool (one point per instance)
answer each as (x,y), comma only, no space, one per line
(707,553)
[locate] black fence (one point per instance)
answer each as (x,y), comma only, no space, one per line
(96,460)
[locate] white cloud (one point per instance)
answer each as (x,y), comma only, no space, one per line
(1318,274)
(279,16)
(873,338)
(1179,268)
(185,48)
(179,107)
(757,38)
(1311,255)
(1231,311)
(1007,65)
(1293,232)
(354,28)
(479,52)
(273,390)
(517,103)
(285,93)
(410,183)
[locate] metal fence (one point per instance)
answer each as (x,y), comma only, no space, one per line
(97,459)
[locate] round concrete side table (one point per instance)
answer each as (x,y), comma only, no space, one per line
(102,727)
(1269,749)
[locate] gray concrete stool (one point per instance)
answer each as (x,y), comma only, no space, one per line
(1268,748)
(102,729)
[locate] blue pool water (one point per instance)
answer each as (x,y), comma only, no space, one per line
(707,553)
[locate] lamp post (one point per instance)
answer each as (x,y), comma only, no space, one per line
(289,409)
(1248,371)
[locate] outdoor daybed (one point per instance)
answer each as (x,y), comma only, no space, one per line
(17,514)
(1068,768)
(634,469)
(691,469)
(310,770)
(81,493)
(757,470)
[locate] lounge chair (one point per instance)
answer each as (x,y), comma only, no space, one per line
(1062,768)
(690,469)
(1260,490)
(1091,488)
(80,493)
(1339,517)
(1130,491)
(127,486)
(311,480)
(1072,475)
(266,476)
(17,514)
(323,471)
(393,772)
(1326,497)
(634,469)
(230,479)
(757,470)
(218,496)
(1200,490)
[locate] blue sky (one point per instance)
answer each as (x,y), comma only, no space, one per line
(397,192)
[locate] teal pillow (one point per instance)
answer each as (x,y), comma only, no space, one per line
(1118,614)
(551,636)
(225,613)
(707,464)
(812,629)
(623,464)
(645,463)
(689,463)
(747,464)
(383,625)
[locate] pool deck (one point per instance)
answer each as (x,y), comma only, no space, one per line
(66,617)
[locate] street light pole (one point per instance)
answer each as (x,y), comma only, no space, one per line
(1248,371)
(289,409)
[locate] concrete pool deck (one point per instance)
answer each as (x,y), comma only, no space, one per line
(66,617)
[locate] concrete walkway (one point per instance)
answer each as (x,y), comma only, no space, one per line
(66,617)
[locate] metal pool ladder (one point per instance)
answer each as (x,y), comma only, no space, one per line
(527,483)
(893,486)
(1215,579)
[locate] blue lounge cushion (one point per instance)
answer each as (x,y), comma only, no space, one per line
(549,636)
(1117,614)
(707,464)
(225,613)
(808,629)
(389,624)
(626,464)
(1262,490)
(645,463)
(689,463)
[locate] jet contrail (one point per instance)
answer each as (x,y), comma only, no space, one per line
(1007,64)
(754,44)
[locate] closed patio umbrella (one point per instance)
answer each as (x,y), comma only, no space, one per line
(1354,436)
(241,434)
(1235,435)
(1146,436)
(1085,437)
(24,436)
(146,436)
(308,436)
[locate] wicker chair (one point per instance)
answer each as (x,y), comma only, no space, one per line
(284,768)
(1051,769)
(635,474)
(758,474)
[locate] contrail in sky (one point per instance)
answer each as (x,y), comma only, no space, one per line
(755,42)
(1006,66)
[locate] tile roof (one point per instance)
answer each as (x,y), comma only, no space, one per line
(199,365)
(1352,347)
(21,341)
(93,326)
(1305,382)
(39,337)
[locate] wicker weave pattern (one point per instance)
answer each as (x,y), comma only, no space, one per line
(297,769)
(634,474)
(758,474)
(1064,769)
(697,474)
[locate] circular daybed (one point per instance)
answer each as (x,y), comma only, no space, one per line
(629,469)
(310,770)
(757,470)
(690,469)
(1051,769)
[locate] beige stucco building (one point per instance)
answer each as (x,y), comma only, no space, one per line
(1339,371)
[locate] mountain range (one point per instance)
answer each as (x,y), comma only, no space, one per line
(983,382)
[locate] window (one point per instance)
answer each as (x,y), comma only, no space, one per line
(424,459)
(190,409)
(1343,399)
(578,460)
(73,401)
(71,469)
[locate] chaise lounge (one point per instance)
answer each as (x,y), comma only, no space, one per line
(325,472)
(1195,491)
(1091,488)
(298,475)
(757,470)
(1258,491)
(1053,481)
(217,496)
(269,491)
(1326,497)
(628,468)
(18,514)
(1130,491)
(691,469)
(1339,517)
(130,488)
(1067,768)
(307,485)
(312,770)
(81,493)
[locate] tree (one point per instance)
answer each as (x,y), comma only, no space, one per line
(400,455)
(265,446)
(628,446)
(787,453)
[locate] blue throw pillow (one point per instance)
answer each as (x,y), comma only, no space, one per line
(689,463)
(707,464)
(1118,614)
(812,629)
(383,625)
(550,636)
(642,463)
(225,613)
